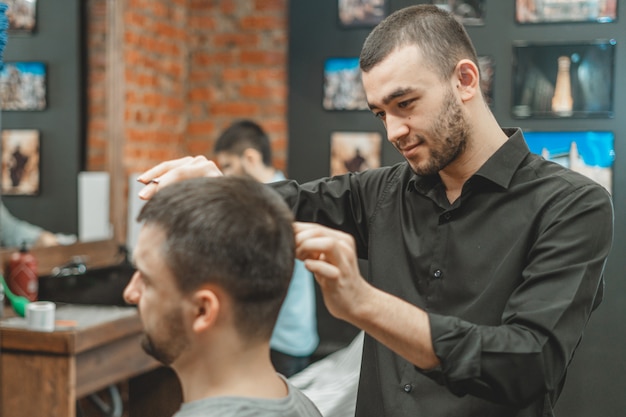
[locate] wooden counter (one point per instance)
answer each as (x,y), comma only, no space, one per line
(94,254)
(43,374)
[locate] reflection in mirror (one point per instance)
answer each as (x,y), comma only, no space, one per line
(15,232)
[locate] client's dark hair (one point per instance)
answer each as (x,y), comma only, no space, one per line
(233,232)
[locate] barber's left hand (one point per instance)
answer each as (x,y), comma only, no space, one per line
(331,256)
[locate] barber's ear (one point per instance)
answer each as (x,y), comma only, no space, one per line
(467,78)
(206,305)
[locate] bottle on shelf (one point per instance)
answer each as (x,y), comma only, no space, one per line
(22,277)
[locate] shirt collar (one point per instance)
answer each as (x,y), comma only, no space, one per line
(503,164)
(278,176)
(499,168)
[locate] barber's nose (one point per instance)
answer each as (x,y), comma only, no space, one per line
(132,292)
(396,128)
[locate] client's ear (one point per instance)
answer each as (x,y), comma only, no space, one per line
(206,306)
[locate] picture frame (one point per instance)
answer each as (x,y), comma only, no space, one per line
(361,13)
(22,16)
(23,86)
(572,11)
(590,153)
(354,151)
(20,162)
(487,68)
(468,12)
(342,87)
(563,80)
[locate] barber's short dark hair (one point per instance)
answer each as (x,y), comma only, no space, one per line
(233,232)
(435,32)
(242,135)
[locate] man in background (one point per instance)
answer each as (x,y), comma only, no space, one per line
(243,149)
(214,259)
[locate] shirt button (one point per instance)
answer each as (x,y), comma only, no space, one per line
(408,388)
(437,273)
(447,216)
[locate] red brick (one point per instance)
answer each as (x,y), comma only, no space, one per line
(273,74)
(201,22)
(199,147)
(240,109)
(202,94)
(232,40)
(175,104)
(262,22)
(237,74)
(257,91)
(270,5)
(171,32)
(218,58)
(131,18)
(228,7)
(262,58)
(200,128)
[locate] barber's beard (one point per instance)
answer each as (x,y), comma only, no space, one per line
(447,139)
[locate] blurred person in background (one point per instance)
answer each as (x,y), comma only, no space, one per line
(243,149)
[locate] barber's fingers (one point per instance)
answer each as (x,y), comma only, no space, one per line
(162,168)
(179,169)
(174,170)
(331,256)
(322,269)
(314,241)
(304,231)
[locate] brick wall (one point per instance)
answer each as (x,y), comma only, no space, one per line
(191,68)
(96,82)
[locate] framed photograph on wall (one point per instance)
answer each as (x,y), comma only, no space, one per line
(563,80)
(23,86)
(468,12)
(20,162)
(361,13)
(354,151)
(22,15)
(591,153)
(570,11)
(343,88)
(487,68)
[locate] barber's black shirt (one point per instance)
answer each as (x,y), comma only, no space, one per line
(509,274)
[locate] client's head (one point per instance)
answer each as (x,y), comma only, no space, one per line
(212,252)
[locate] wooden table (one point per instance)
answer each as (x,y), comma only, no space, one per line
(43,374)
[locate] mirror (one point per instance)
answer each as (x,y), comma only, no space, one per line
(42,105)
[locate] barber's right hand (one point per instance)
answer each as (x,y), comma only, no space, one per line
(174,170)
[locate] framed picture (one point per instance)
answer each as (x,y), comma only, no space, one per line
(20,162)
(360,13)
(23,86)
(468,12)
(343,88)
(354,151)
(542,11)
(589,152)
(487,68)
(564,80)
(22,15)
